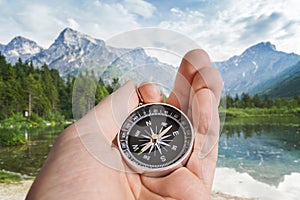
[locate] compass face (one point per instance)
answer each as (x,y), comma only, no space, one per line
(156,138)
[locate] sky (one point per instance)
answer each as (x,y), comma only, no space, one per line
(222,27)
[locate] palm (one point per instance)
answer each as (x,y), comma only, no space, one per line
(71,170)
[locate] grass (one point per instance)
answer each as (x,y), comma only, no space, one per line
(263,112)
(11,177)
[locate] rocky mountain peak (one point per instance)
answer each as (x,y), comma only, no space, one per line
(250,71)
(23,45)
(20,47)
(74,38)
(260,48)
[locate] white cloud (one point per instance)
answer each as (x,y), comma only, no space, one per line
(232,27)
(140,7)
(102,19)
(223,28)
(43,21)
(73,24)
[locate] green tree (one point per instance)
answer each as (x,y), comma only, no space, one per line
(37,102)
(65,97)
(9,89)
(236,101)
(267,102)
(49,88)
(84,95)
(257,102)
(246,101)
(229,101)
(280,103)
(101,92)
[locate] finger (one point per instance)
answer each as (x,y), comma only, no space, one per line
(204,100)
(99,127)
(208,77)
(150,93)
(181,184)
(205,118)
(192,62)
(206,88)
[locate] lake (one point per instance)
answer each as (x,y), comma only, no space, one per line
(28,159)
(258,157)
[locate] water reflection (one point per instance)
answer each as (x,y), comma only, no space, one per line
(28,159)
(266,149)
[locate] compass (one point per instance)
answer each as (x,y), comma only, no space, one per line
(156,139)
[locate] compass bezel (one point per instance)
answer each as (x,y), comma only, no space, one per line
(138,115)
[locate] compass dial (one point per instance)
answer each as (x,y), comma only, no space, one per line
(155,139)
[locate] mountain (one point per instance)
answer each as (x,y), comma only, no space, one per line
(286,85)
(254,70)
(73,52)
(20,47)
(1,47)
(259,69)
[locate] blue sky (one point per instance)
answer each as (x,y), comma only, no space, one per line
(222,27)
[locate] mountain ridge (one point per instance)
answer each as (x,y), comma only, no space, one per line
(257,69)
(287,84)
(20,47)
(249,71)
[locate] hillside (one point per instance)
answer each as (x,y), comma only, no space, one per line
(288,86)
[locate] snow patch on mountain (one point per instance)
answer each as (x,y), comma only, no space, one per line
(255,66)
(72,52)
(20,47)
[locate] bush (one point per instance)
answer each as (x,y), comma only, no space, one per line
(12,137)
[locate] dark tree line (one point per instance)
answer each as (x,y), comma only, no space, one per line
(257,101)
(39,91)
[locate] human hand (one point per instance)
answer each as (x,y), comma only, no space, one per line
(71,171)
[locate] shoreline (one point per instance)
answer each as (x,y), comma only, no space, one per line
(228,180)
(228,185)
(18,191)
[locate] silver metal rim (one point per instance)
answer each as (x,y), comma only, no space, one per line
(165,170)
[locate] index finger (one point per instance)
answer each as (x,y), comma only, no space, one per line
(191,63)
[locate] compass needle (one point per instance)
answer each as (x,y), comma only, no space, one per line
(163,143)
(159,141)
(152,146)
(158,147)
(164,131)
(164,137)
(145,148)
(151,131)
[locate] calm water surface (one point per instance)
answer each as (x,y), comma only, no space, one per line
(28,159)
(266,149)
